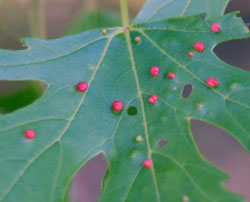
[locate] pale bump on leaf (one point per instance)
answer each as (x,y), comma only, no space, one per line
(72,127)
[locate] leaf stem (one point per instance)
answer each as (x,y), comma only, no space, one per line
(124,13)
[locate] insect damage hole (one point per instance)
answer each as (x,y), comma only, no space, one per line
(162,142)
(132,111)
(15,95)
(89,179)
(187,91)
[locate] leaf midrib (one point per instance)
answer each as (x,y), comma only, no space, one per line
(131,56)
(150,152)
(143,111)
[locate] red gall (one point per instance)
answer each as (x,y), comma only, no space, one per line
(30,134)
(154,71)
(153,99)
(117,106)
(199,46)
(215,27)
(171,75)
(190,54)
(212,82)
(82,86)
(147,163)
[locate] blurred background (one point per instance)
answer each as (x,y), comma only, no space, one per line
(56,18)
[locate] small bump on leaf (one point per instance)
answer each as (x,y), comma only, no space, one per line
(147,163)
(104,31)
(215,27)
(199,106)
(30,134)
(82,86)
(138,139)
(190,54)
(154,71)
(153,99)
(117,106)
(199,46)
(212,82)
(137,39)
(171,75)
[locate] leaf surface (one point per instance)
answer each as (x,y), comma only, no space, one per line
(72,127)
(162,9)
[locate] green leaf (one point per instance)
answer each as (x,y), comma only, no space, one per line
(162,9)
(72,127)
(93,19)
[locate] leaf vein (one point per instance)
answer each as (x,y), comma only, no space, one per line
(187,174)
(128,39)
(67,125)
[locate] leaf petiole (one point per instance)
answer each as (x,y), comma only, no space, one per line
(124,13)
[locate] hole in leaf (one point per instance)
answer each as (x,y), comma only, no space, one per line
(86,185)
(187,90)
(132,111)
(15,95)
(235,53)
(162,142)
(224,152)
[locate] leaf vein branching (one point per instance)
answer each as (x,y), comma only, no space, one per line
(56,57)
(131,185)
(89,83)
(122,115)
(67,125)
(187,70)
(131,56)
(58,90)
(187,174)
(181,131)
